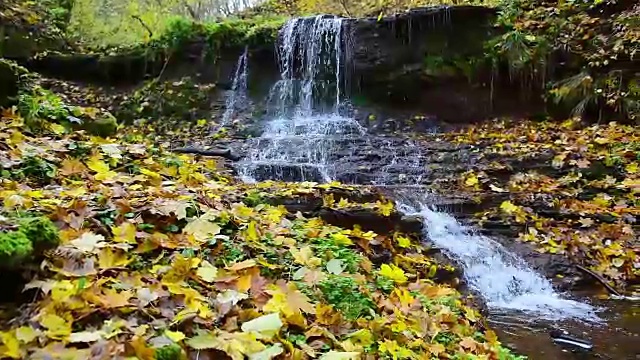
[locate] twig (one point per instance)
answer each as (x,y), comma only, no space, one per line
(143,25)
(600,279)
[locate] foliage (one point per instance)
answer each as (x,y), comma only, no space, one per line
(27,26)
(104,23)
(581,201)
(161,256)
(166,101)
(582,51)
(39,108)
(352,8)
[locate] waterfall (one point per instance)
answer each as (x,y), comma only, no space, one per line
(305,137)
(238,93)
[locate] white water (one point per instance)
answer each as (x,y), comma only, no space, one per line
(302,138)
(505,281)
(238,93)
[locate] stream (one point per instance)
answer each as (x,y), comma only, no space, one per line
(309,136)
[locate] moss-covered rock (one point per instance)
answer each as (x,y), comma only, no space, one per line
(25,239)
(104,126)
(15,247)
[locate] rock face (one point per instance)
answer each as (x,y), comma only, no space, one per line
(431,59)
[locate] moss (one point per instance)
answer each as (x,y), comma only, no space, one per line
(40,230)
(15,247)
(34,235)
(169,352)
(104,126)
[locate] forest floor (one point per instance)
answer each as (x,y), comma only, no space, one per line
(165,256)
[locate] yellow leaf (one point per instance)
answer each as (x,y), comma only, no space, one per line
(202,229)
(242,265)
(57,128)
(175,336)
(341,239)
(101,168)
(404,296)
(57,327)
(403,242)
(304,256)
(267,324)
(471,180)
(340,355)
(362,337)
(508,207)
(26,334)
(385,209)
(207,272)
(632,168)
(11,345)
(252,232)
(125,233)
(394,273)
(108,259)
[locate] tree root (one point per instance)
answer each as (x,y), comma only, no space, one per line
(225,153)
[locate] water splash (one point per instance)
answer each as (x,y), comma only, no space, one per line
(238,89)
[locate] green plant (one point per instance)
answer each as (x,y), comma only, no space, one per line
(35,168)
(345,295)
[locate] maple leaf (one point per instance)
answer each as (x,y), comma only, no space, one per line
(88,242)
(108,259)
(72,166)
(101,168)
(288,300)
(202,229)
(125,233)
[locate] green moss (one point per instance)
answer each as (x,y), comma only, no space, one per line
(40,230)
(34,235)
(169,352)
(15,247)
(104,126)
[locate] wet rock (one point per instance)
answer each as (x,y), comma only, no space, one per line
(565,339)
(370,220)
(303,204)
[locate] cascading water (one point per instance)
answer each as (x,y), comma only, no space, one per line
(505,280)
(305,138)
(238,89)
(299,142)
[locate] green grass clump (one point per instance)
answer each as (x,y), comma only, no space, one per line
(345,295)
